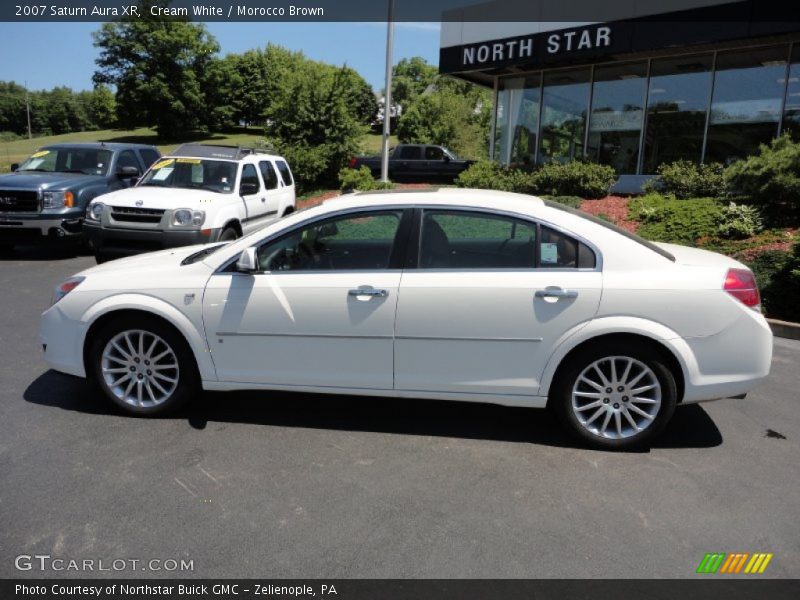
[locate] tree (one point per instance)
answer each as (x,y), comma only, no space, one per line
(411,77)
(451,113)
(103,107)
(159,67)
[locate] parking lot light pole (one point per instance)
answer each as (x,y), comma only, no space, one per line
(387,96)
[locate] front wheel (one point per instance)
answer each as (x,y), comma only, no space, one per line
(144,366)
(616,396)
(228,235)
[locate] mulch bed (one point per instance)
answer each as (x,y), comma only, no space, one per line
(613,207)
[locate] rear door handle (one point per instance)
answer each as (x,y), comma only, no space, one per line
(368,292)
(556,293)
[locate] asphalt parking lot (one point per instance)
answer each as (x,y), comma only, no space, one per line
(297,485)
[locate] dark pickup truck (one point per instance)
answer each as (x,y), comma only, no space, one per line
(416,162)
(47,194)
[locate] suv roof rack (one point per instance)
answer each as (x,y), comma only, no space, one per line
(216,151)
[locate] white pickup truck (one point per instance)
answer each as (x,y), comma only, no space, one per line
(197,194)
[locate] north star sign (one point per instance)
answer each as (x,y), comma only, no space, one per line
(538,47)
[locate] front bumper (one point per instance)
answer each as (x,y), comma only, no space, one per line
(61,339)
(121,240)
(33,227)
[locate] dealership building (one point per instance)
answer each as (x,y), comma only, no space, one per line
(708,82)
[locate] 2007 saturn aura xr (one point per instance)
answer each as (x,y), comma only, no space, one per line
(465,295)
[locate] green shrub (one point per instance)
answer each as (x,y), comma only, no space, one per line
(576,178)
(571,201)
(739,221)
(487,175)
(686,179)
(778,277)
(361,179)
(667,219)
(770,178)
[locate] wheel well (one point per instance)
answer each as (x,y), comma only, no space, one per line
(235,224)
(288,210)
(665,353)
(103,320)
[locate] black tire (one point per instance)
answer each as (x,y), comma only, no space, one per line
(561,395)
(100,256)
(287,211)
(186,374)
(228,235)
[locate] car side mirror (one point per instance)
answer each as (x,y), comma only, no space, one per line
(14,167)
(248,188)
(248,261)
(127,172)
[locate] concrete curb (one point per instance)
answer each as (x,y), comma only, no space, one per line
(785,329)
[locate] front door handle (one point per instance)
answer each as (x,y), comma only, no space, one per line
(556,293)
(368,292)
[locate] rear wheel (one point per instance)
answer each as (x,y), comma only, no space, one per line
(616,395)
(143,365)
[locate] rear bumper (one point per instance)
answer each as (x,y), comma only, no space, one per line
(133,241)
(731,362)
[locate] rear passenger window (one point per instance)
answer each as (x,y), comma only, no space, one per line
(464,240)
(559,251)
(410,152)
(268,174)
(286,174)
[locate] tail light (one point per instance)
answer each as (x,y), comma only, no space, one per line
(352,163)
(741,284)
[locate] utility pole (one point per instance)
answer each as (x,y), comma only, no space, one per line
(387,96)
(28,110)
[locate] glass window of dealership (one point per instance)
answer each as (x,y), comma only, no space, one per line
(714,106)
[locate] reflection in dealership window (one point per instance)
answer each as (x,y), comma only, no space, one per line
(791,118)
(676,110)
(615,125)
(517,123)
(746,105)
(353,242)
(565,101)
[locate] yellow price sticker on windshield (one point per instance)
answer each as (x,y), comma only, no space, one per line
(163,163)
(40,153)
(191,161)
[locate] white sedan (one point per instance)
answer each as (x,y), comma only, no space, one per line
(454,294)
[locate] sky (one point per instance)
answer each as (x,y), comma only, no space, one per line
(50,54)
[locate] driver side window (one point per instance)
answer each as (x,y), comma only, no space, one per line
(352,242)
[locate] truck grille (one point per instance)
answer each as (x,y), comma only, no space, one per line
(126,214)
(13,201)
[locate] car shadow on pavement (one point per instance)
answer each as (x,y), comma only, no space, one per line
(46,251)
(691,427)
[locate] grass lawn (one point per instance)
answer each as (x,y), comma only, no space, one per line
(19,150)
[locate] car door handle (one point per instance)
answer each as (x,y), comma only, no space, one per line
(368,292)
(556,293)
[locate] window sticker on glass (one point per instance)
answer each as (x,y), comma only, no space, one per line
(190,161)
(40,153)
(34,164)
(163,173)
(548,253)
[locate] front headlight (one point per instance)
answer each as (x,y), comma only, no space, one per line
(95,211)
(65,288)
(58,199)
(185,216)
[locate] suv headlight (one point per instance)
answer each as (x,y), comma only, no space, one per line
(95,211)
(66,287)
(186,217)
(58,199)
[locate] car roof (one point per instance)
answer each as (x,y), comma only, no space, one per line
(221,152)
(101,145)
(467,197)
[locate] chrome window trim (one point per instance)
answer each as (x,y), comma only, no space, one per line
(441,207)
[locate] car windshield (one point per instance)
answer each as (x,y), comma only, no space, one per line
(90,161)
(192,173)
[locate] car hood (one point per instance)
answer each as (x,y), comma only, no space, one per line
(150,262)
(158,197)
(55,181)
(696,257)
